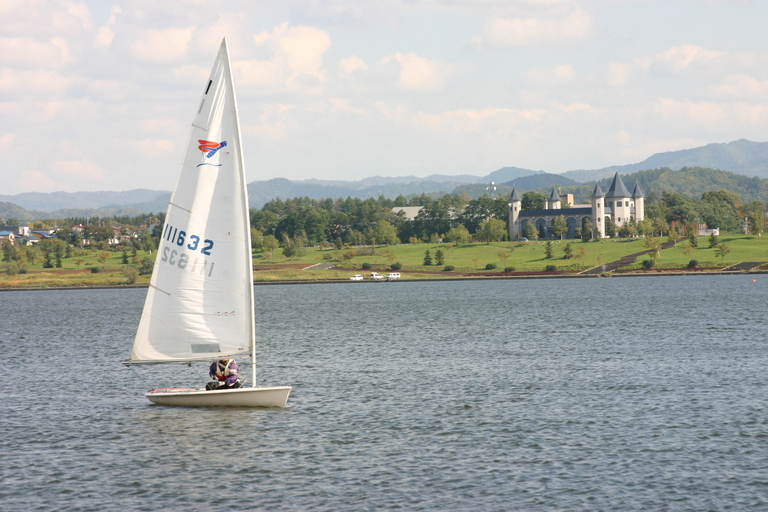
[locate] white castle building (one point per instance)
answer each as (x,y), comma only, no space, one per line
(617,205)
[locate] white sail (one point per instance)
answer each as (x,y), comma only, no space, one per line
(200,301)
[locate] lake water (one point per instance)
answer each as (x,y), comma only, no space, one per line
(643,393)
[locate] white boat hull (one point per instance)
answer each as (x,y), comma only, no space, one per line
(242,397)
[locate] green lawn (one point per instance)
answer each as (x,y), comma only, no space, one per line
(469,258)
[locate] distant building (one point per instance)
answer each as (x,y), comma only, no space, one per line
(409,212)
(617,205)
(13,233)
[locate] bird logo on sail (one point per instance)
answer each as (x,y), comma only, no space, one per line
(209,149)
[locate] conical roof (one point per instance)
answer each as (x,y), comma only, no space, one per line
(554,196)
(514,196)
(598,191)
(617,188)
(637,192)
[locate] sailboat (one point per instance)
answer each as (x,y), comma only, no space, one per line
(200,301)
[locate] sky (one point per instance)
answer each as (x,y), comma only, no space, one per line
(98,95)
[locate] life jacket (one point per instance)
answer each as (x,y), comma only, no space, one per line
(222,372)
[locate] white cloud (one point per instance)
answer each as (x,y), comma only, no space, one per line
(45,18)
(553,27)
(348,66)
(258,74)
(551,76)
(159,125)
(678,59)
(619,73)
(741,87)
(343,105)
(473,120)
(298,54)
(163,46)
(79,170)
(39,181)
(106,34)
(33,83)
(26,52)
(419,73)
(150,149)
(7,141)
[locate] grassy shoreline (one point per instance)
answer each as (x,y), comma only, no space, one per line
(469,261)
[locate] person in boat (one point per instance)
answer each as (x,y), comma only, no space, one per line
(224,373)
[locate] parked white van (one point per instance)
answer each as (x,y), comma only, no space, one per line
(393,275)
(376,277)
(356,277)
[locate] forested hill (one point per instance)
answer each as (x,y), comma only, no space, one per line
(740,156)
(690,182)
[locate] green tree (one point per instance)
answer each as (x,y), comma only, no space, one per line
(687,249)
(458,235)
(548,250)
(493,230)
(503,256)
(385,233)
(559,226)
(586,231)
(567,251)
(721,250)
(713,241)
(690,232)
(530,232)
(756,222)
(533,200)
(131,274)
(146,266)
(653,246)
(645,227)
(257,239)
(439,257)
(660,225)
(103,256)
(427,258)
(581,253)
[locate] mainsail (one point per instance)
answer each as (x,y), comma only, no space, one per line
(199,305)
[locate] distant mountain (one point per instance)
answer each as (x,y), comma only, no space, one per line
(740,157)
(506,174)
(689,182)
(55,200)
(525,183)
(260,192)
(542,180)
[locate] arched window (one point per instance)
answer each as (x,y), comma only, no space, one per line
(572,225)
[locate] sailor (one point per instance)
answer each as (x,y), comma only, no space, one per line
(225,375)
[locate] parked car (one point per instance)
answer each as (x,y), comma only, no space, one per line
(393,275)
(356,277)
(376,277)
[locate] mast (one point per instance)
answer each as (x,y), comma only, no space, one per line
(246,217)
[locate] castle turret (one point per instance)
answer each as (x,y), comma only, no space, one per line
(639,198)
(515,202)
(619,201)
(598,211)
(553,201)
